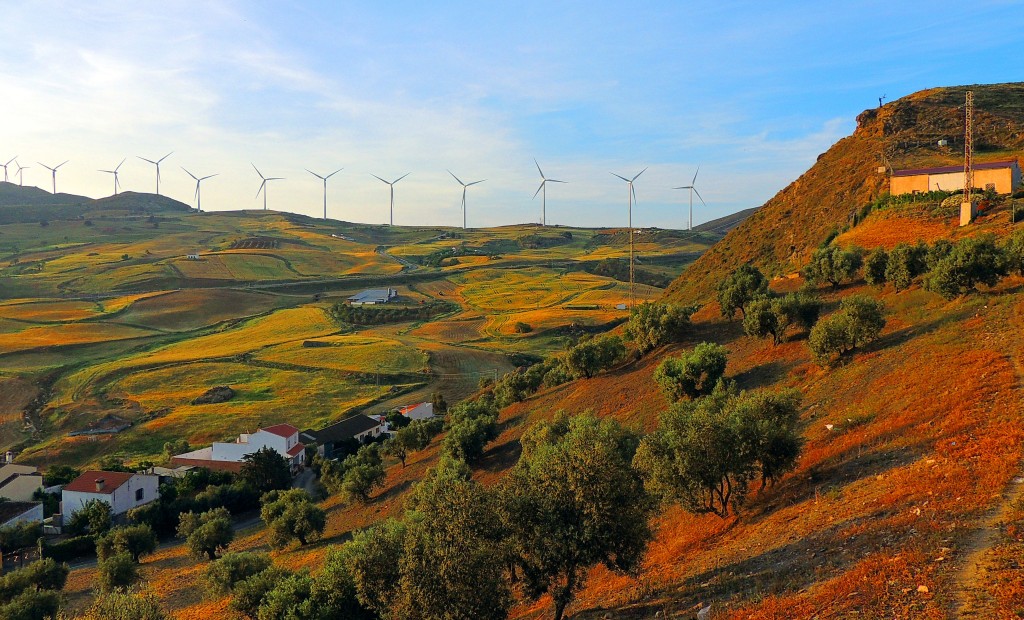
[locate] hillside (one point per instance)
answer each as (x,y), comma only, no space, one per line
(901,134)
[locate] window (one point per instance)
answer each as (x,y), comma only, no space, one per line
(139,494)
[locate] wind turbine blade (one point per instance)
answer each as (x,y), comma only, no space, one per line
(555,181)
(684,187)
(638,174)
(275,178)
(262,185)
(699,196)
(694,181)
(379,179)
(400,178)
(12,159)
(620,176)
(475,182)
(333,173)
(257,170)
(120,164)
(539,188)
(189,173)
(144,159)
(314,174)
(110,171)
(538,168)
(164,157)
(457,179)
(209,176)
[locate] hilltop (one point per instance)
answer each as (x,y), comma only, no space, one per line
(902,134)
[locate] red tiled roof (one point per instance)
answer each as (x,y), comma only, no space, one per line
(86,483)
(992,165)
(406,409)
(281,430)
(299,447)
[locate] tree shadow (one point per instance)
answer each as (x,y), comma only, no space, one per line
(763,374)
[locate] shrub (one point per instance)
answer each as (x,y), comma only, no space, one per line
(222,575)
(125,606)
(833,265)
(875,266)
(972,261)
(740,288)
(117,572)
(522,328)
(906,262)
(651,325)
(94,517)
(692,374)
(135,540)
(20,536)
(859,320)
(71,548)
(762,319)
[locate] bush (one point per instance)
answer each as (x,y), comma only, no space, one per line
(94,517)
(762,319)
(972,261)
(117,572)
(875,265)
(740,288)
(292,515)
(833,265)
(522,328)
(692,374)
(135,540)
(222,575)
(652,325)
(125,606)
(590,357)
(71,548)
(859,320)
(20,536)
(31,605)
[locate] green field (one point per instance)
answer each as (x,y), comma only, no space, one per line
(101,312)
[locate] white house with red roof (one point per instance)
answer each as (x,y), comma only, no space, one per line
(419,411)
(283,438)
(122,490)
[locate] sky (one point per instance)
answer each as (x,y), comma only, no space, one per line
(751,93)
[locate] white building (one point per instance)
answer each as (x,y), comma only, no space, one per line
(421,411)
(12,513)
(122,490)
(283,438)
(19,482)
(373,297)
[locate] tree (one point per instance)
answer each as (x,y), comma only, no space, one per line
(800,309)
(292,515)
(867,318)
(266,470)
(860,319)
(40,575)
(395,448)
(762,319)
(906,262)
(372,560)
(740,288)
(125,606)
(972,261)
(769,423)
(875,265)
(467,439)
(830,338)
(1013,250)
(208,533)
(117,572)
(833,265)
(250,593)
(290,599)
(334,591)
(651,325)
(360,474)
(692,374)
(60,474)
(451,565)
(174,447)
(573,501)
(135,540)
(590,357)
(222,575)
(94,517)
(31,605)
(440,404)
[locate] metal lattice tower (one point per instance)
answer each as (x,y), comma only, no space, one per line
(969,146)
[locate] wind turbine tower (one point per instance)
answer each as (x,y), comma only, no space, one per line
(20,173)
(5,168)
(263,185)
(324,179)
(157,164)
(632,198)
(693,190)
(199,206)
(53,171)
(117,183)
(544,199)
(391,184)
(464,186)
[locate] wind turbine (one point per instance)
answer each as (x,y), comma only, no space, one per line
(392,185)
(117,183)
(5,167)
(632,198)
(544,199)
(464,186)
(199,180)
(262,185)
(324,179)
(21,176)
(54,172)
(693,190)
(157,164)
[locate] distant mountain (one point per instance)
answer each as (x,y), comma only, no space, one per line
(905,133)
(30,204)
(723,225)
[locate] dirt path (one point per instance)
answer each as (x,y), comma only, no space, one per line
(972,596)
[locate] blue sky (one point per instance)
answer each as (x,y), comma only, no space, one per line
(750,92)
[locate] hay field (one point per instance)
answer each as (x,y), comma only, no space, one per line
(351,353)
(50,311)
(191,309)
(67,334)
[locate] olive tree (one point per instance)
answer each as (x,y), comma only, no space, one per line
(692,374)
(740,288)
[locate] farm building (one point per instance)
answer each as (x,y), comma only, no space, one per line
(373,296)
(1001,176)
(12,513)
(346,433)
(19,482)
(421,411)
(192,256)
(122,490)
(284,438)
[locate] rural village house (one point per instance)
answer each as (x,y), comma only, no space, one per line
(420,411)
(19,482)
(12,513)
(284,438)
(122,490)
(357,428)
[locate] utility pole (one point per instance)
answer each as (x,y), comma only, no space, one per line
(967,208)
